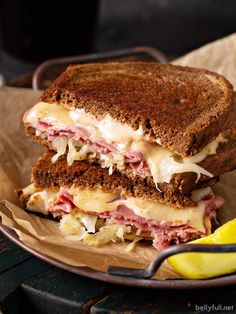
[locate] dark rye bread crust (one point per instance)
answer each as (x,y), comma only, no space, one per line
(85,175)
(223,161)
(185,108)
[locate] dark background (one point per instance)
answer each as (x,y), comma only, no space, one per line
(174,26)
(33,31)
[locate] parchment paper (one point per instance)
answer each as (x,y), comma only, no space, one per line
(17,155)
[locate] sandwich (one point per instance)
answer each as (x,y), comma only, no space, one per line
(163,123)
(99,208)
(133,150)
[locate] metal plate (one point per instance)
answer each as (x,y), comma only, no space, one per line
(142,283)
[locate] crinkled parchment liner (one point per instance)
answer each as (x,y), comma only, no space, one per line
(17,155)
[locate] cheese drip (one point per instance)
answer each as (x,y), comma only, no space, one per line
(163,163)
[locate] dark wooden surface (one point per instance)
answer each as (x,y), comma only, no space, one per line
(28,285)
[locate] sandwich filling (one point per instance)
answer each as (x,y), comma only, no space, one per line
(98,217)
(83,136)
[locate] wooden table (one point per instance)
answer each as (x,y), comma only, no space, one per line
(28,285)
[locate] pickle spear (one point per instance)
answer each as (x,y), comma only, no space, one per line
(207,265)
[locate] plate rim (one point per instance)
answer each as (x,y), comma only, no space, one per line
(126,281)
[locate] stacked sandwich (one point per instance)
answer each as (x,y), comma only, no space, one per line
(133,151)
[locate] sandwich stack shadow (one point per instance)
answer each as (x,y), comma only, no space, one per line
(133,150)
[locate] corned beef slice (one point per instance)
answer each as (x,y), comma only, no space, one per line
(162,233)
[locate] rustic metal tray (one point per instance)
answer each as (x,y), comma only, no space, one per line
(45,73)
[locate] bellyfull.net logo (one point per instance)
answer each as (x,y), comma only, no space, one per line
(213,307)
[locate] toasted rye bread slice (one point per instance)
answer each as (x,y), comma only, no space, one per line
(85,175)
(223,161)
(184,108)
